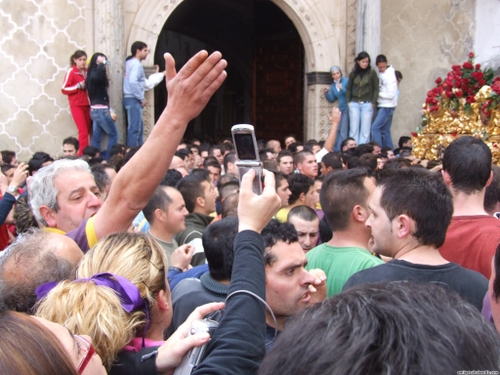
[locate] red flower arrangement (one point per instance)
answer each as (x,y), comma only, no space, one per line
(461,83)
(493,100)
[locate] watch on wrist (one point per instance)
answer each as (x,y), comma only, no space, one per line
(12,189)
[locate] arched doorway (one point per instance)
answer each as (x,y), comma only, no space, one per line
(321,32)
(265,57)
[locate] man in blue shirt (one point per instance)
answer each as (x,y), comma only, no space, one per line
(133,93)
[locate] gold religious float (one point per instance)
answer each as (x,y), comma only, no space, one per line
(466,102)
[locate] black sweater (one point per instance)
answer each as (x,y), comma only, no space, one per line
(238,345)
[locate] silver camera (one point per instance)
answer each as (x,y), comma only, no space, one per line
(194,356)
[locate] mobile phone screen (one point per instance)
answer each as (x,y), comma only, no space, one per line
(245,146)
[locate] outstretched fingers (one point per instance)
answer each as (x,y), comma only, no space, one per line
(190,89)
(203,67)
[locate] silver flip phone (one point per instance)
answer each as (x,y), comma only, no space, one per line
(247,153)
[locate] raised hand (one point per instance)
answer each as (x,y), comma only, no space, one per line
(255,211)
(191,88)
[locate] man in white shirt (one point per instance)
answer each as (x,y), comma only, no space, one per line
(387,102)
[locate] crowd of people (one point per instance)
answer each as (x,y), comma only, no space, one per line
(364,260)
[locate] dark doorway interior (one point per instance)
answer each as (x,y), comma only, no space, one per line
(265,58)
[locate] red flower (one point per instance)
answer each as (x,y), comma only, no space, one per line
(439,80)
(434,108)
(471,55)
(458,94)
(478,66)
(482,82)
(453,134)
(470,99)
(496,87)
(455,67)
(479,75)
(468,65)
(449,94)
(413,134)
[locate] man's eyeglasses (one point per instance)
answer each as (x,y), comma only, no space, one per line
(86,346)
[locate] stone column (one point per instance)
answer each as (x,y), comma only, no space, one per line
(316,107)
(339,15)
(109,39)
(368,28)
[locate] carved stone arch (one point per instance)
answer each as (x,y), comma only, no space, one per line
(311,21)
(314,21)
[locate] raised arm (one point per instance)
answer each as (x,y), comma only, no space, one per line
(238,345)
(332,135)
(189,91)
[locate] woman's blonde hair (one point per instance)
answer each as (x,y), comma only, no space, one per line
(95,310)
(135,256)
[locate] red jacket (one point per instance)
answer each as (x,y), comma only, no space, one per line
(77,97)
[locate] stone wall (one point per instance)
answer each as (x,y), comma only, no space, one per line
(36,40)
(422,39)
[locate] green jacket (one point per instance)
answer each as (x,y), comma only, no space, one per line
(363,90)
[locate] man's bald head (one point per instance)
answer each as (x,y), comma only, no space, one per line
(35,258)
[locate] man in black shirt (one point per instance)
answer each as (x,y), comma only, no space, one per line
(410,212)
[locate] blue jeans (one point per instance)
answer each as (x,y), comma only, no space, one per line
(360,120)
(135,133)
(381,127)
(343,130)
(103,124)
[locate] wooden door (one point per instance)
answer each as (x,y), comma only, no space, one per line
(277,89)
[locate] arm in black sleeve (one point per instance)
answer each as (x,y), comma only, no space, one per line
(238,344)
(348,96)
(6,204)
